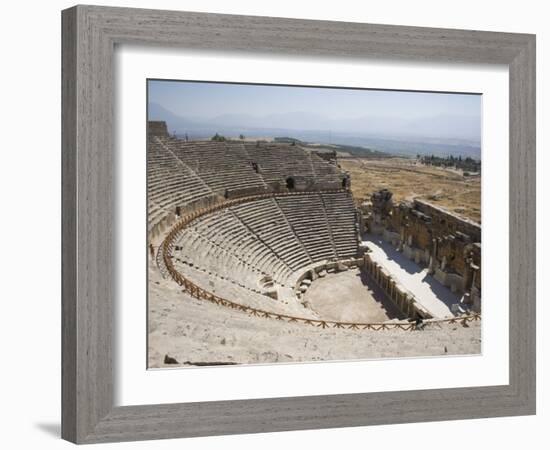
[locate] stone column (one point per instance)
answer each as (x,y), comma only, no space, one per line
(468,275)
(402,240)
(433,257)
(475,295)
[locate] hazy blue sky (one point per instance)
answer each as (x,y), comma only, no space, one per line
(208,100)
(288,110)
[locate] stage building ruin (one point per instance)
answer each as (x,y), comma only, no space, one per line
(450,246)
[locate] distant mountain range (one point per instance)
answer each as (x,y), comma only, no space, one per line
(439,135)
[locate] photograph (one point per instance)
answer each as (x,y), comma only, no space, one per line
(291,224)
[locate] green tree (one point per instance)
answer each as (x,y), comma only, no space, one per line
(218,138)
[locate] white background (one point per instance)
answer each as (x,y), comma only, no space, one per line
(30,189)
(135,386)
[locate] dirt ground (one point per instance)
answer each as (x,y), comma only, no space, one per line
(195,332)
(406,179)
(350,297)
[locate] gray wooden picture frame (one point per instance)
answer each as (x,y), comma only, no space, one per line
(90,34)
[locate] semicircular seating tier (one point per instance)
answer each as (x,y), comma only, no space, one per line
(254,250)
(182,173)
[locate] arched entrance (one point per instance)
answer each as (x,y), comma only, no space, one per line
(290,183)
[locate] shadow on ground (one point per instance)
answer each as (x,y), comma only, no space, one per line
(53,429)
(413,276)
(380,296)
(406,264)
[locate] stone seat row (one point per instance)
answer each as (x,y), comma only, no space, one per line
(198,251)
(341,213)
(270,225)
(307,217)
(226,230)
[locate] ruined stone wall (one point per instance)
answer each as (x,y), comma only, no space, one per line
(444,221)
(447,244)
(329,156)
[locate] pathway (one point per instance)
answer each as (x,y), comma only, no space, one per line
(429,292)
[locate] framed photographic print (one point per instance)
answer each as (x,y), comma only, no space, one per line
(278,224)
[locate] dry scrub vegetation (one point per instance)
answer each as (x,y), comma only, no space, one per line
(407,179)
